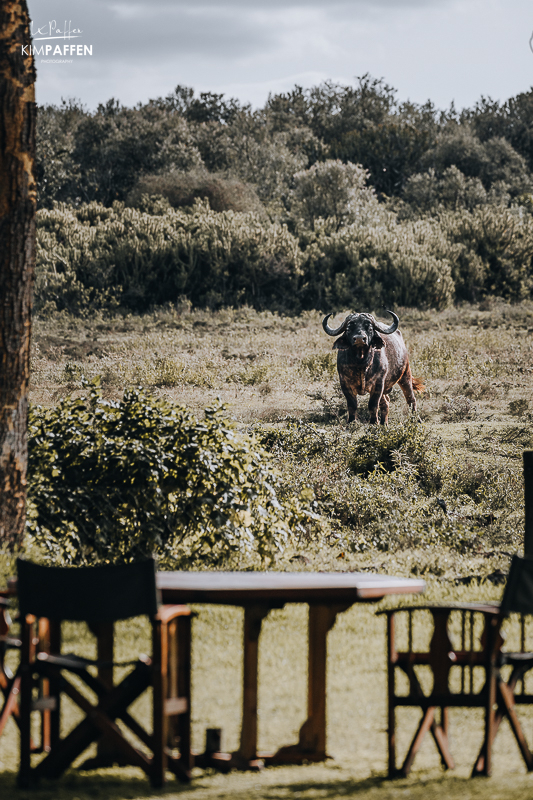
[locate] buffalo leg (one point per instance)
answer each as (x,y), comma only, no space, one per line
(374,402)
(351,401)
(406,385)
(384,404)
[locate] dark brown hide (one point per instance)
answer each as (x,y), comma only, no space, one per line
(370,361)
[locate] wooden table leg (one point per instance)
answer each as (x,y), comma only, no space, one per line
(246,756)
(311,745)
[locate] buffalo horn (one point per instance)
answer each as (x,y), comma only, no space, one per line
(333,331)
(382,329)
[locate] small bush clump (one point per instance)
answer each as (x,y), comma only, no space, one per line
(319,365)
(390,447)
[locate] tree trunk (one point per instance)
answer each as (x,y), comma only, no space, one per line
(17,259)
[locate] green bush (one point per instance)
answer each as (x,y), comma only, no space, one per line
(183,188)
(111,481)
(319,365)
(381,262)
(93,255)
(492,249)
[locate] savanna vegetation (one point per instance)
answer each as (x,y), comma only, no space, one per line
(186,251)
(440,499)
(444,494)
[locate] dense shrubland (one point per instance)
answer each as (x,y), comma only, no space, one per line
(94,257)
(332,196)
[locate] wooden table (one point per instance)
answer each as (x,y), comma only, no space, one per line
(327,594)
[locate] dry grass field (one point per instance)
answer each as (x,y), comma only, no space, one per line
(476,361)
(277,377)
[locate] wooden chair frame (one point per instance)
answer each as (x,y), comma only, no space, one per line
(167,672)
(497,695)
(9,683)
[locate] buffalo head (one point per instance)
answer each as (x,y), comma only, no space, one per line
(360,331)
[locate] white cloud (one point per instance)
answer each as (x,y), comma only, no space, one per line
(438,49)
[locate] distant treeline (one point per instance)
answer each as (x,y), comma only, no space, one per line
(327,197)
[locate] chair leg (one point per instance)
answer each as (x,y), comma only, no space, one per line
(26,681)
(54,688)
(160,719)
(425,724)
(507,697)
(10,706)
(491,726)
(440,735)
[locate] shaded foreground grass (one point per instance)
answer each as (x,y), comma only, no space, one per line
(329,782)
(356,717)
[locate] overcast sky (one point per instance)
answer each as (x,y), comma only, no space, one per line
(443,50)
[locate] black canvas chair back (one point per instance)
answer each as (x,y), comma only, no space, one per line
(93,594)
(518,595)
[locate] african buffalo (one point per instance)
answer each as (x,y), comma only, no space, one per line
(370,363)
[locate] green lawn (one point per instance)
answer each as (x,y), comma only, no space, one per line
(356,717)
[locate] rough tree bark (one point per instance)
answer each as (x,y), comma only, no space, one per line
(17,259)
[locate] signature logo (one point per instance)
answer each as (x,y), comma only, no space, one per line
(51,31)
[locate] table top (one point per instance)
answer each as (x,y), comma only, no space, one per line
(244,588)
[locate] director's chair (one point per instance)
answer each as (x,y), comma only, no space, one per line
(463,666)
(100,596)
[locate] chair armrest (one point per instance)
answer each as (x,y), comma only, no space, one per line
(167,613)
(483,608)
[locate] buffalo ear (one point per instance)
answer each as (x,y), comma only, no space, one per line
(377,341)
(341,344)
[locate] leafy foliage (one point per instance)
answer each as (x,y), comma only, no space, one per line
(391,151)
(95,256)
(183,188)
(492,252)
(371,265)
(334,191)
(110,481)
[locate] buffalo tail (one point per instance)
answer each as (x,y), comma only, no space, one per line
(418,386)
